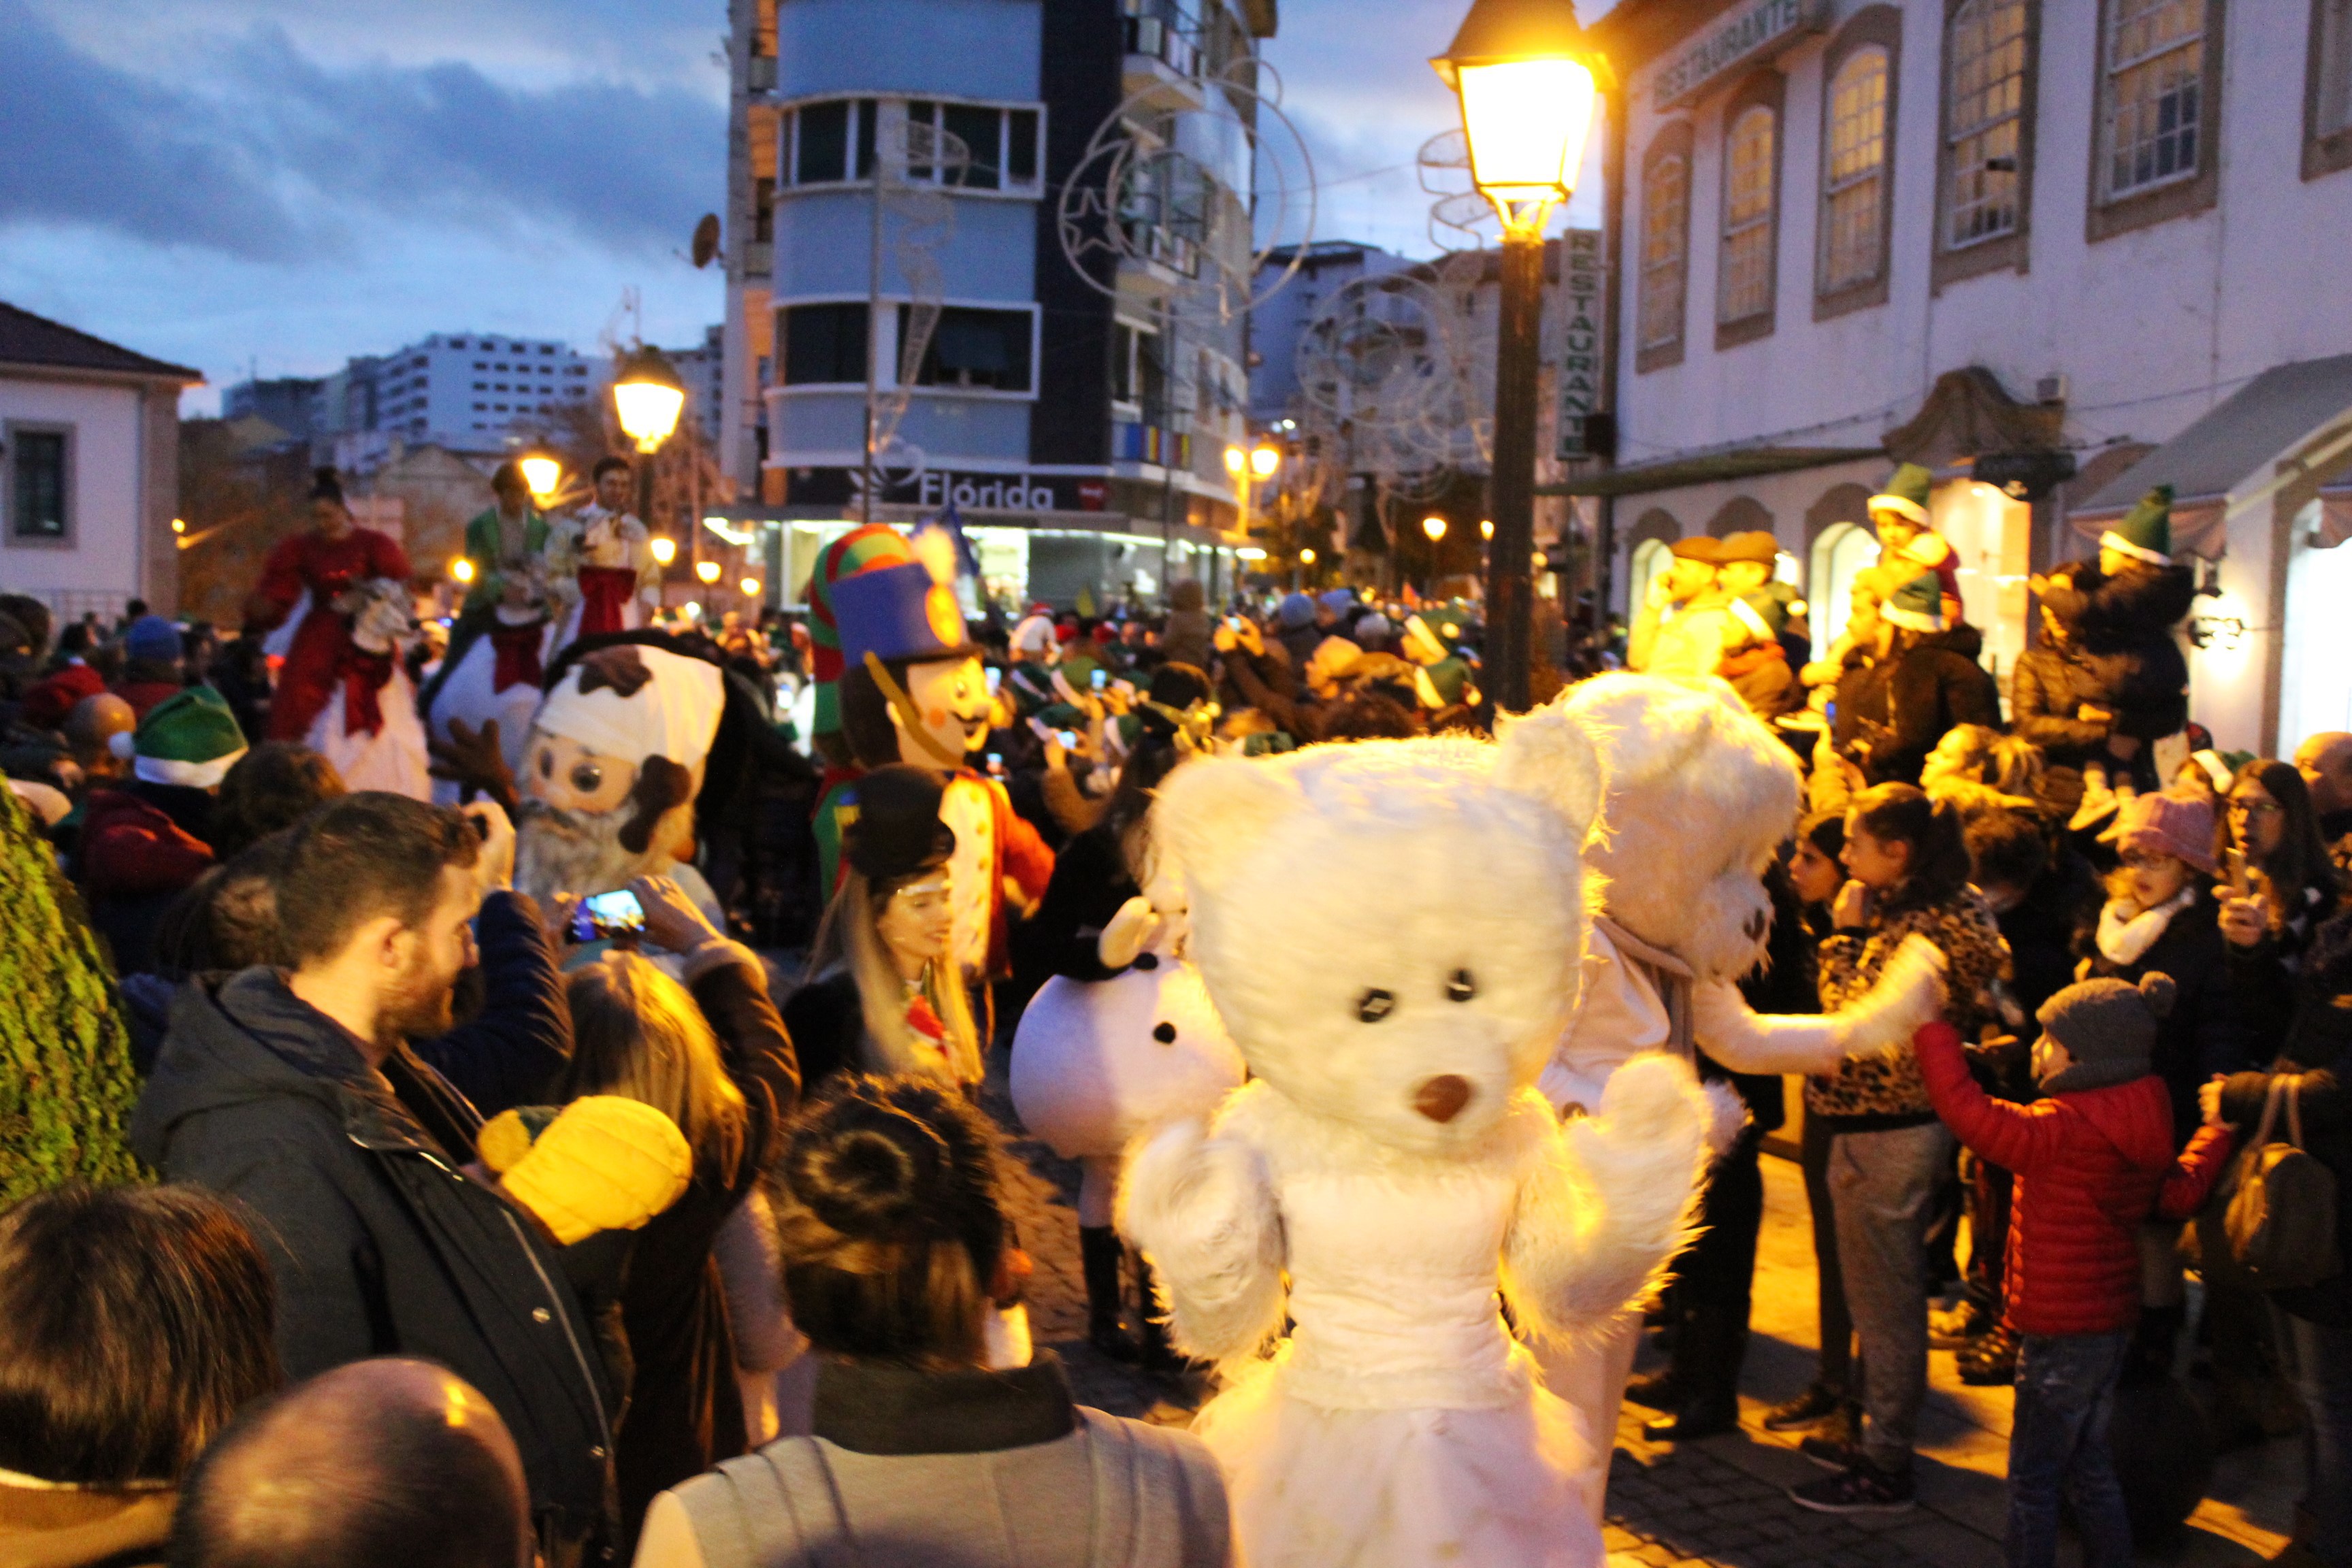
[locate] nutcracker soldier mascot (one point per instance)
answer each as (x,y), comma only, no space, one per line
(860,550)
(911,691)
(336,604)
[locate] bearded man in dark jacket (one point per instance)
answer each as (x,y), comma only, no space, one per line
(295,1093)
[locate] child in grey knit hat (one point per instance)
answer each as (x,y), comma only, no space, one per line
(2092,1160)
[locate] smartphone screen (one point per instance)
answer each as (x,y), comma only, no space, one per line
(996,765)
(601,915)
(1101,678)
(1069,739)
(995,679)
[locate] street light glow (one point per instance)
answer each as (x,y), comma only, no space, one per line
(707,570)
(1526,81)
(1234,461)
(751,587)
(1486,528)
(1434,527)
(663,547)
(462,569)
(647,398)
(541,474)
(1250,553)
(1307,556)
(1264,460)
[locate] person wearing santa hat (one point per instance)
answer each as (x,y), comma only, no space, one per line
(336,604)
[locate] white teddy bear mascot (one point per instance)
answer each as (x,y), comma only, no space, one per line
(1699,798)
(1391,1165)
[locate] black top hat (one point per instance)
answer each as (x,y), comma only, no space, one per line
(897,831)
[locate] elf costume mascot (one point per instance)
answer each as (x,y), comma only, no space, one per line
(602,572)
(496,653)
(1907,540)
(1698,797)
(911,691)
(336,604)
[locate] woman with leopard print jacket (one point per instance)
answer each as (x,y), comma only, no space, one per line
(1909,869)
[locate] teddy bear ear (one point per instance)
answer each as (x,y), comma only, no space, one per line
(1549,754)
(1215,812)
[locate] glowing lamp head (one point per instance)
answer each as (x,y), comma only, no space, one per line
(1434,527)
(751,587)
(1486,528)
(665,548)
(707,570)
(1264,460)
(541,474)
(647,398)
(462,569)
(1235,461)
(179,525)
(1307,556)
(1528,87)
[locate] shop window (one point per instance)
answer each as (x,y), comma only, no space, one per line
(1853,185)
(823,344)
(1839,554)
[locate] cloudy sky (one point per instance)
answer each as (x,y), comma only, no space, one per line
(277,185)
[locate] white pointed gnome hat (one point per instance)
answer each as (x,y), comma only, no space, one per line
(631,701)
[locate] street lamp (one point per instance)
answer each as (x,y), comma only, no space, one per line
(1528,85)
(1307,556)
(648,397)
(751,587)
(1486,530)
(707,570)
(541,475)
(1434,527)
(1264,460)
(663,547)
(462,569)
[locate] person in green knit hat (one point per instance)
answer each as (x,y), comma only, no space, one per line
(67,1085)
(1907,537)
(2121,611)
(145,842)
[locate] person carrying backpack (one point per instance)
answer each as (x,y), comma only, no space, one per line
(2092,1161)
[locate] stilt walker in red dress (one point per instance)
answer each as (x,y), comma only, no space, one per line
(336,604)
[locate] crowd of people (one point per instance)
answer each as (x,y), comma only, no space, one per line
(577,1152)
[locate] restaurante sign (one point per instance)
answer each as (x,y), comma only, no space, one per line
(1749,33)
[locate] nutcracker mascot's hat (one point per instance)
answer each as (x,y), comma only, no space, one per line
(860,550)
(891,618)
(1917,604)
(2145,533)
(1905,494)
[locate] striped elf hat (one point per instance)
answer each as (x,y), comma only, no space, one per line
(860,550)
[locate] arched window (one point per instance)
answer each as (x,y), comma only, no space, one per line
(1854,196)
(1744,278)
(1840,551)
(1665,245)
(1651,558)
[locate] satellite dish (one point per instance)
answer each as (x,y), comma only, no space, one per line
(706,239)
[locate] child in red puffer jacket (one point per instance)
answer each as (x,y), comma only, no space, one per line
(2092,1161)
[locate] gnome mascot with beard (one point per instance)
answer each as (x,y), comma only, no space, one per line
(617,755)
(912,691)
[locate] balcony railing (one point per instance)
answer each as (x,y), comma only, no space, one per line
(1155,37)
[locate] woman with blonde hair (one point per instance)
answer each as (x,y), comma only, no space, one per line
(887,996)
(712,1055)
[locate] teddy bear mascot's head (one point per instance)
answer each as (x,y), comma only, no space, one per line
(1698,797)
(1392,931)
(911,688)
(617,751)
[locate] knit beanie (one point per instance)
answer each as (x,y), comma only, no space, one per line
(1338,600)
(189,739)
(605,1163)
(2145,533)
(2108,1026)
(1905,493)
(1297,610)
(2166,825)
(152,637)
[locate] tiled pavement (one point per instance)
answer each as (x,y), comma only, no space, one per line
(1723,1501)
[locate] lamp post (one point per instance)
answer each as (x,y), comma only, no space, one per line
(541,475)
(647,398)
(1527,84)
(1434,527)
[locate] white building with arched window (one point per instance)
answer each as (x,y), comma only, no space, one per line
(2036,245)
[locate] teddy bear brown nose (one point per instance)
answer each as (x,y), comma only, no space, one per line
(1442,1098)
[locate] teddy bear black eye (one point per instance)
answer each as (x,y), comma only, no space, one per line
(546,764)
(1147,962)
(1164,1032)
(1375,1005)
(587,777)
(1460,986)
